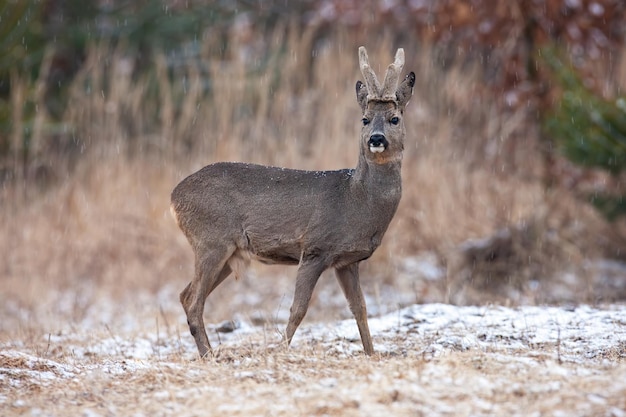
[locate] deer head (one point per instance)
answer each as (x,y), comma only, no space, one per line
(382,135)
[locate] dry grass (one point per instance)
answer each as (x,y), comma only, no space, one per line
(98,245)
(469,171)
(256,379)
(367,388)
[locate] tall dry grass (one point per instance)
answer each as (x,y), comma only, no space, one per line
(102,229)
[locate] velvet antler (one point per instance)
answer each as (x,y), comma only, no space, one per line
(386,92)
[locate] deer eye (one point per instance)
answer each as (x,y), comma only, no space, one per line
(394,120)
(365,121)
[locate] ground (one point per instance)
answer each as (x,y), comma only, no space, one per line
(432,360)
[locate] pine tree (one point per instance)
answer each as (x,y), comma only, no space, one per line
(589,129)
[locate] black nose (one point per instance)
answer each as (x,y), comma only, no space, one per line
(377,140)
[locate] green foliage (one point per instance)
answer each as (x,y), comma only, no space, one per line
(21,37)
(65,30)
(21,46)
(611,206)
(589,129)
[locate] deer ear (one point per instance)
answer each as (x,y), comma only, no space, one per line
(361,95)
(405,89)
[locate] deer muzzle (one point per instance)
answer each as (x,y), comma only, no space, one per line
(377,143)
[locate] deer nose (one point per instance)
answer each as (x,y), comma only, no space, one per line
(377,142)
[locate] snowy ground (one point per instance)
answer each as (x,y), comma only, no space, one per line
(431,360)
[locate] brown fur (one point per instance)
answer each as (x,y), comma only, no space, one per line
(231,212)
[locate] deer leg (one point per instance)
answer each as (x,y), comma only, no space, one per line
(308,274)
(211,270)
(348,278)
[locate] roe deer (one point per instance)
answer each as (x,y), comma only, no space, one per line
(234,212)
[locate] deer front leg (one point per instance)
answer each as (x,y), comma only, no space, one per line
(308,274)
(348,278)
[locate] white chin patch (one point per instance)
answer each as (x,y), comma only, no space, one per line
(377,149)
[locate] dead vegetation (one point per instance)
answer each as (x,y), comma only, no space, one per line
(288,384)
(470,172)
(95,373)
(99,229)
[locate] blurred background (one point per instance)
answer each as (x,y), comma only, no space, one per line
(513,173)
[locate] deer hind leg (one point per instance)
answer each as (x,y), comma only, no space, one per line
(308,274)
(348,278)
(211,270)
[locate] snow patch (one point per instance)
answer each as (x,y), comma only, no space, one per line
(518,337)
(572,334)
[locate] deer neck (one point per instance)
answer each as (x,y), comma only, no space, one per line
(379,180)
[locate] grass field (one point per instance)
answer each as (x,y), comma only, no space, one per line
(93,264)
(432,360)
